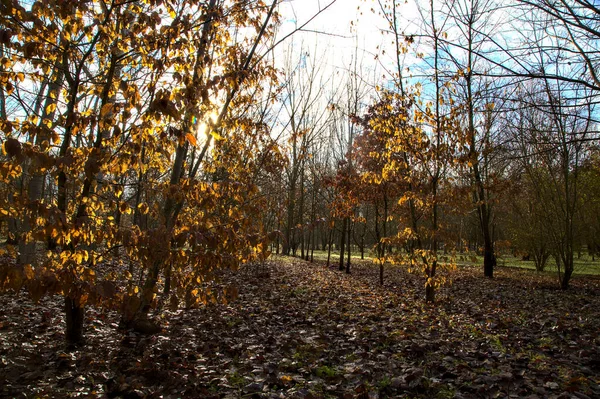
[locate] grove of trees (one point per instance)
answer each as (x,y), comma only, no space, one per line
(147,145)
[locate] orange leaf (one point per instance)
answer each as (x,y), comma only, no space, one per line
(191,139)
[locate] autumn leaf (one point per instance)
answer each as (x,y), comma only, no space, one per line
(11,147)
(50,108)
(191,139)
(216,135)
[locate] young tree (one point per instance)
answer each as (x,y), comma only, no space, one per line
(124,87)
(474,20)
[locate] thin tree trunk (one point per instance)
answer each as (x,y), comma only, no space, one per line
(348,261)
(379,247)
(313,217)
(342,243)
(74,321)
(431,269)
(312,247)
(277,243)
(287,244)
(330,244)
(301,214)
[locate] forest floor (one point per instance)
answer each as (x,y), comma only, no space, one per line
(300,330)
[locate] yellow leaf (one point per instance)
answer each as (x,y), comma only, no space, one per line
(191,139)
(50,108)
(216,136)
(286,379)
(143,208)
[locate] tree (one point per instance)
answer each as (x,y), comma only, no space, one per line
(525,219)
(305,116)
(377,188)
(550,132)
(125,86)
(590,202)
(345,129)
(474,19)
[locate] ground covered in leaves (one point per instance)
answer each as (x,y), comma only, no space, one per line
(300,330)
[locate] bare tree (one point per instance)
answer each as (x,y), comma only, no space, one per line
(551,132)
(304,119)
(474,20)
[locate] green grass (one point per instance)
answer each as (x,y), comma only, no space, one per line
(326,372)
(583,265)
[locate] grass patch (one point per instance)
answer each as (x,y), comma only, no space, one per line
(326,372)
(236,379)
(584,265)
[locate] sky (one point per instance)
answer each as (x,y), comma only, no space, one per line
(342,28)
(337,28)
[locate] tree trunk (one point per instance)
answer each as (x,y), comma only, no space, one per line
(277,243)
(312,248)
(568,261)
(385,218)
(291,207)
(74,319)
(379,247)
(313,218)
(349,245)
(330,244)
(362,247)
(489,258)
(342,243)
(429,294)
(301,214)
(564,284)
(287,242)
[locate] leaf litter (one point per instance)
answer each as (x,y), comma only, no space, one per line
(300,330)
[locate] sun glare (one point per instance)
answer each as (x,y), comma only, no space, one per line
(203,130)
